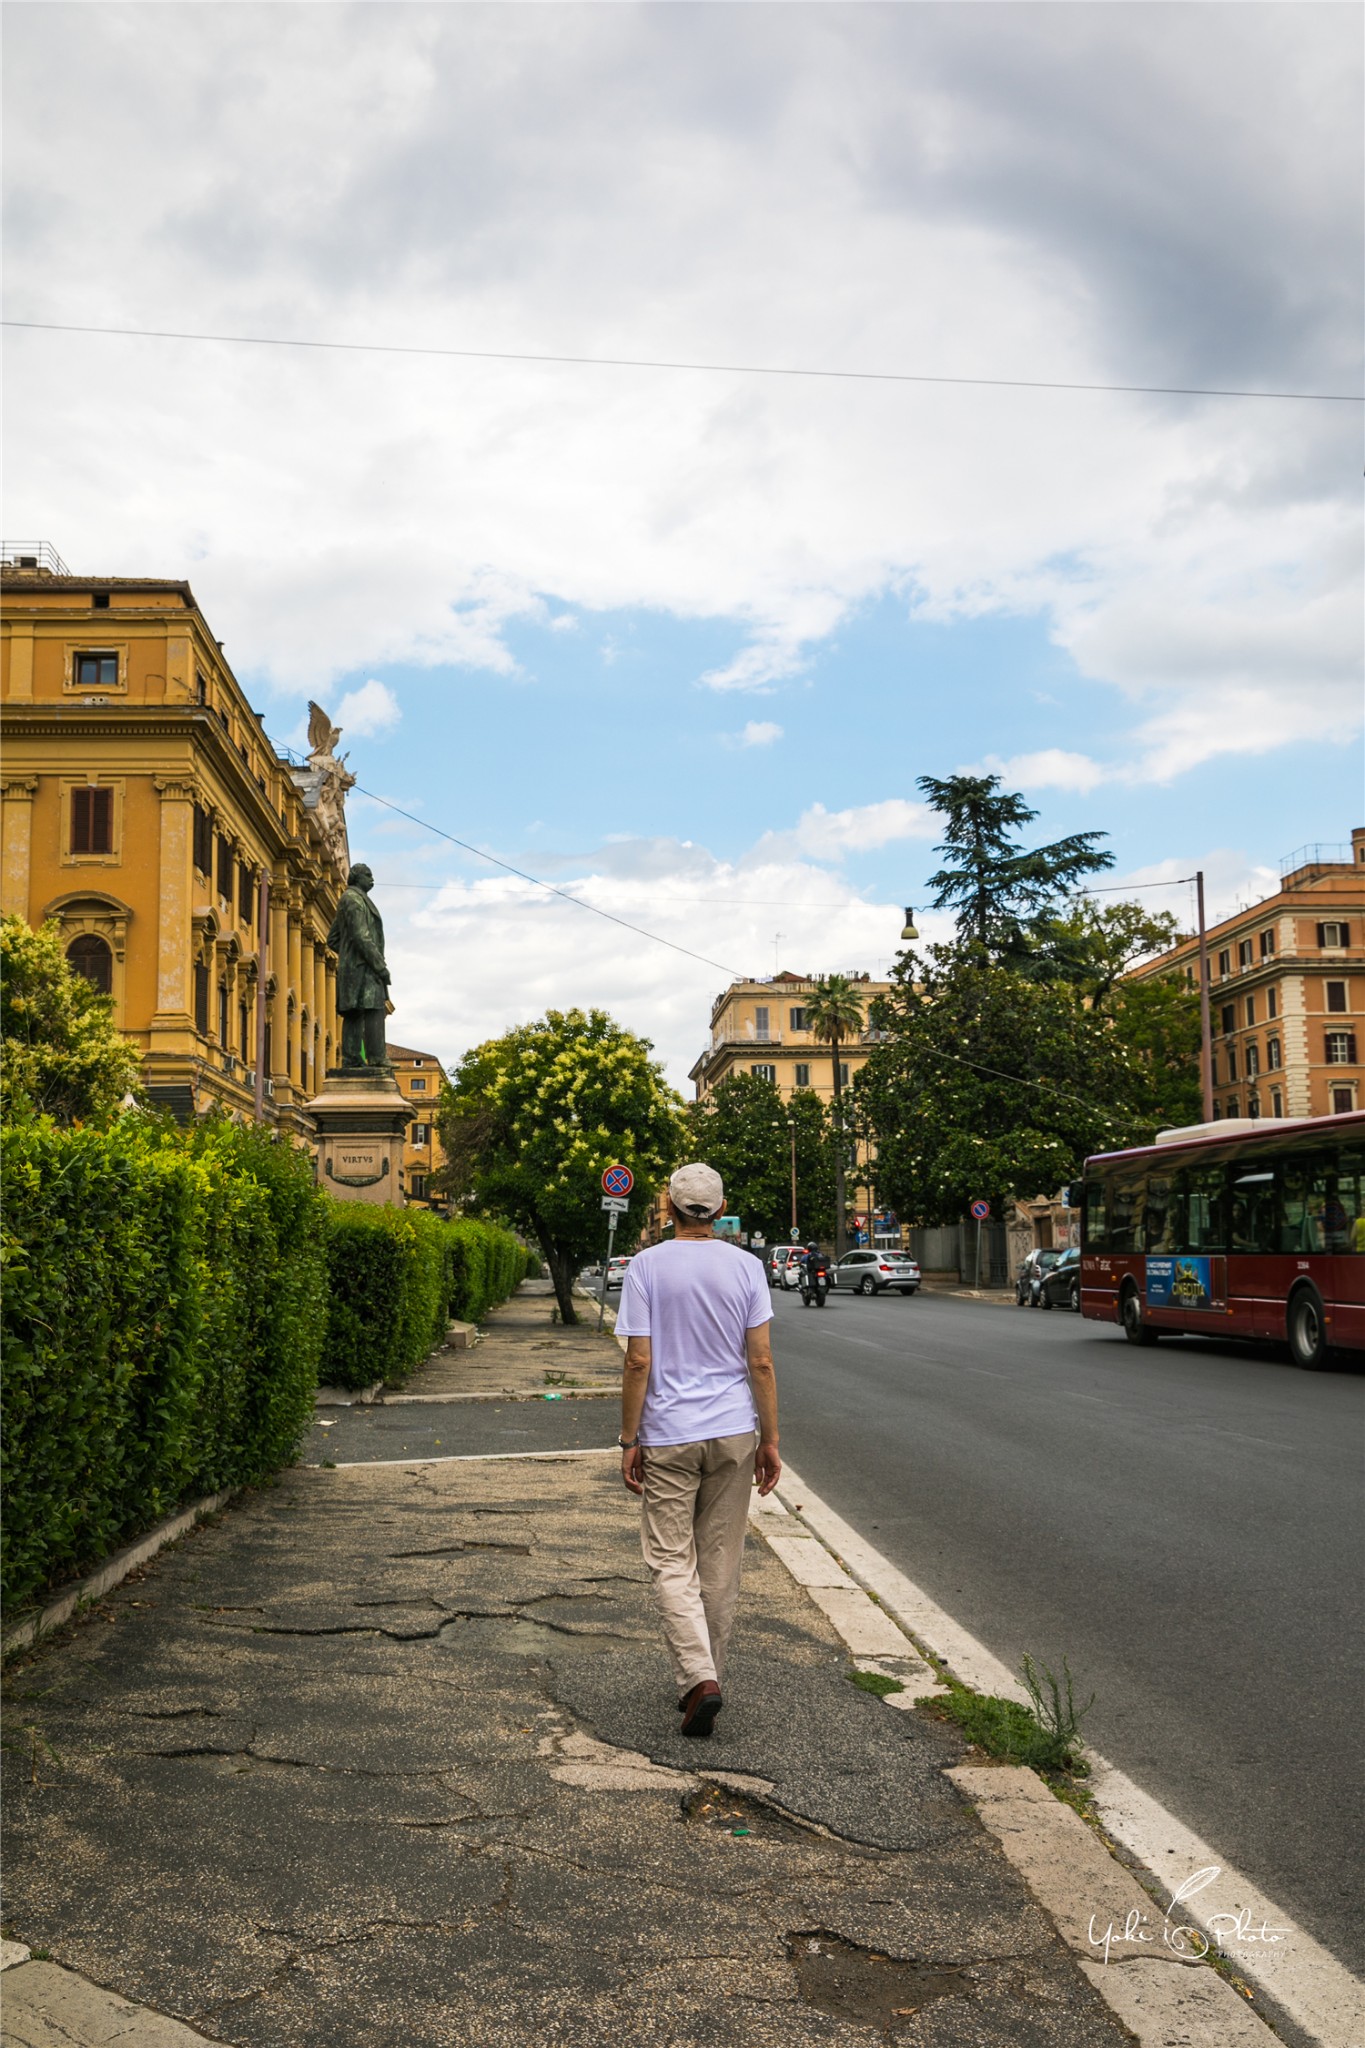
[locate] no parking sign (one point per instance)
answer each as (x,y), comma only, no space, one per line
(981,1210)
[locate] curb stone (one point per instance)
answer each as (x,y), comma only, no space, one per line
(47,2006)
(111,1573)
(1162,1997)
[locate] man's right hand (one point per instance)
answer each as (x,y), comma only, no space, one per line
(767,1469)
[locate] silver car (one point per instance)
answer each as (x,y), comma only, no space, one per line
(784,1263)
(874,1272)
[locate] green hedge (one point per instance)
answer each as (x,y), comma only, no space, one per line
(171,1299)
(163,1316)
(397,1276)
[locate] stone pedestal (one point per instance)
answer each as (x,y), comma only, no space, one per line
(361,1120)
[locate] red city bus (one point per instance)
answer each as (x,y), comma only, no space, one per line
(1244,1232)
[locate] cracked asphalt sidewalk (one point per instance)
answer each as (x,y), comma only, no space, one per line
(387,1757)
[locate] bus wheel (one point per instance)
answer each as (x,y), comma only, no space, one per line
(1130,1314)
(1307,1327)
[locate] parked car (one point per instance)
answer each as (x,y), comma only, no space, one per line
(1031,1275)
(616,1271)
(778,1261)
(874,1272)
(1062,1284)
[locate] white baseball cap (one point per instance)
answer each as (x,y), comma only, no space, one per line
(697,1192)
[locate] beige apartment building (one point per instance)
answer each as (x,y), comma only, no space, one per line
(1287,990)
(760,1027)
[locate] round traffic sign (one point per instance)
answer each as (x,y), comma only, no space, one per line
(618,1180)
(981,1210)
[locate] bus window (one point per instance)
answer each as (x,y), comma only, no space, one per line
(1125,1213)
(1203,1192)
(1253,1210)
(1303,1199)
(1160,1215)
(1096,1223)
(1351,1195)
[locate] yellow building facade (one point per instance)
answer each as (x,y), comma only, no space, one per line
(760,1027)
(419,1076)
(190,868)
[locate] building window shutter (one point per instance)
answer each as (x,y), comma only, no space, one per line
(92,820)
(90,955)
(201,1000)
(203,840)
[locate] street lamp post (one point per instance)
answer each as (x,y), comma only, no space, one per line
(791,1130)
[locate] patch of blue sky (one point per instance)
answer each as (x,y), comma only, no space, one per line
(608,732)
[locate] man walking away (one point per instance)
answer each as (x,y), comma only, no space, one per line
(698,1364)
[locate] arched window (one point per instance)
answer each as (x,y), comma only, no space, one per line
(91,956)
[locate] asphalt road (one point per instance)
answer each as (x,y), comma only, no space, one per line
(1182,1524)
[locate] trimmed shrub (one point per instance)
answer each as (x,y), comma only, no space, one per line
(388,1292)
(163,1316)
(486,1265)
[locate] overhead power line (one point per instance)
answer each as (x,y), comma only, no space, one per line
(549,887)
(502,355)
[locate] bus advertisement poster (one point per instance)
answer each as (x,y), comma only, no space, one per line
(1179,1283)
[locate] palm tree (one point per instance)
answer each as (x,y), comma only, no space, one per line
(835,1014)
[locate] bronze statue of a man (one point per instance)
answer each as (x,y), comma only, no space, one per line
(357,939)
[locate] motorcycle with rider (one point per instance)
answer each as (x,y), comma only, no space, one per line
(814,1277)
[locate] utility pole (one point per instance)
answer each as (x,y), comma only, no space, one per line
(1205,1013)
(791,1127)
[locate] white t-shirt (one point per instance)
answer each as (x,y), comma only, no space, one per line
(694,1298)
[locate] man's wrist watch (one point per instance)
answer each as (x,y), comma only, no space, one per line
(630,1445)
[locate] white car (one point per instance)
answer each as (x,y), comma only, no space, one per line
(616,1271)
(874,1272)
(784,1265)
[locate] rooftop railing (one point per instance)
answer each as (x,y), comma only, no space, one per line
(1321,855)
(32,554)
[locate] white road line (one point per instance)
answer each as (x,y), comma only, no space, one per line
(1293,1971)
(461,1458)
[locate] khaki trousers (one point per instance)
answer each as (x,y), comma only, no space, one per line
(695,1506)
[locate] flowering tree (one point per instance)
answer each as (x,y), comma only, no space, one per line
(531,1121)
(60,1053)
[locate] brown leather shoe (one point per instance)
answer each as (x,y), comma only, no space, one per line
(700,1708)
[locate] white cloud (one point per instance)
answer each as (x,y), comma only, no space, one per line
(1050,768)
(759,732)
(534,951)
(829,835)
(1084,194)
(368,711)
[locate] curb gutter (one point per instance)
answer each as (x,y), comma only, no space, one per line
(110,1574)
(46,2004)
(1312,1998)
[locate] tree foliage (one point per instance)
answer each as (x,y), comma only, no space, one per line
(60,1055)
(997,887)
(531,1121)
(994,1084)
(1093,946)
(741,1128)
(835,1013)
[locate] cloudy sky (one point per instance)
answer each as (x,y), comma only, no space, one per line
(680,641)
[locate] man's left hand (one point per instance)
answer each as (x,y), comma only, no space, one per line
(767,1469)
